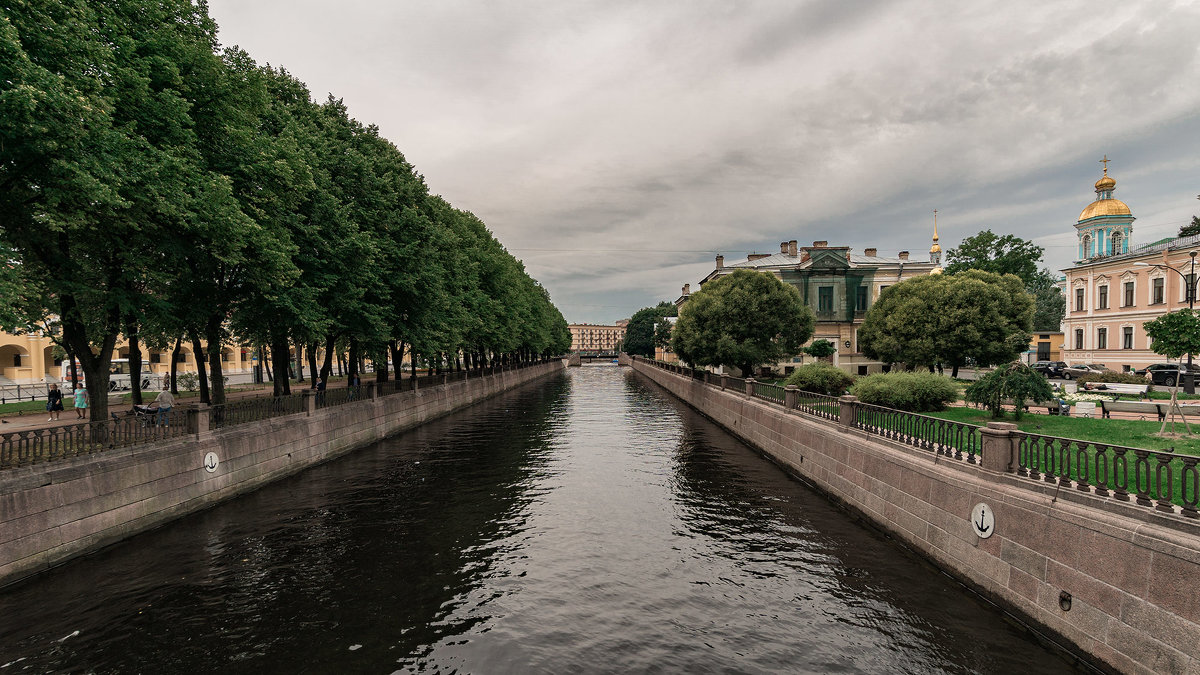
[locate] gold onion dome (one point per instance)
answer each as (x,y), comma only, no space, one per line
(1105,207)
(1105,183)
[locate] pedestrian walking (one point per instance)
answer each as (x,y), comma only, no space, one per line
(81,402)
(54,403)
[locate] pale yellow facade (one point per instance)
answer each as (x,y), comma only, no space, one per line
(588,337)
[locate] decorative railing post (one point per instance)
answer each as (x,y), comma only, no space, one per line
(310,402)
(372,392)
(749,387)
(724,381)
(846,410)
(999,446)
(791,396)
(198,418)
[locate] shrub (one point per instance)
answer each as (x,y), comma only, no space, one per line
(914,392)
(821,378)
(187,381)
(1123,378)
(1013,380)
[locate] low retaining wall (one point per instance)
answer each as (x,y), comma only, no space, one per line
(1116,581)
(54,511)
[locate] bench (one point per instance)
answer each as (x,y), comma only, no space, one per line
(1117,387)
(1159,408)
(1052,406)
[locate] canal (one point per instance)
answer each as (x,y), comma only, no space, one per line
(585,523)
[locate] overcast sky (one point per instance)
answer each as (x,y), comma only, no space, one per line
(617,147)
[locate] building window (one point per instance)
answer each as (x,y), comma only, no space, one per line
(1128,294)
(1078,338)
(1127,337)
(1103,297)
(825,299)
(1157,295)
(860,298)
(1078,299)
(155,357)
(181,357)
(1101,338)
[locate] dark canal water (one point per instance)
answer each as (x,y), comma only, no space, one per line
(585,524)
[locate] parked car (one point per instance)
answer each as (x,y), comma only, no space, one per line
(1049,368)
(1081,369)
(1167,374)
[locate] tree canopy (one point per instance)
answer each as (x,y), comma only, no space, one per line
(154,187)
(974,316)
(1175,334)
(987,251)
(640,333)
(742,320)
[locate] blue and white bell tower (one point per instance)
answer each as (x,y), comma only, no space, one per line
(1106,224)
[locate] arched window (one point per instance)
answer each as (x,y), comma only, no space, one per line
(1087,246)
(1117,239)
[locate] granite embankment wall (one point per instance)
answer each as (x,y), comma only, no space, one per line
(54,511)
(1131,573)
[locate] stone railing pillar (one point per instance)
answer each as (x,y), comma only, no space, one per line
(198,418)
(999,446)
(310,402)
(846,411)
(724,381)
(372,392)
(791,396)
(749,387)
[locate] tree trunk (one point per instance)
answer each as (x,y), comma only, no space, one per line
(327,366)
(213,337)
(175,365)
(280,358)
(397,358)
(201,371)
(299,361)
(311,353)
(954,371)
(352,363)
(266,361)
(135,360)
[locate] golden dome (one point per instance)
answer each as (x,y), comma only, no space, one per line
(1105,183)
(935,248)
(1104,207)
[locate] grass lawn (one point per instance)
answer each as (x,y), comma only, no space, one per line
(1129,433)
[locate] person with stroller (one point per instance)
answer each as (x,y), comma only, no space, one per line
(163,404)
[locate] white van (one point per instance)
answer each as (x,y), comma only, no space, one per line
(118,378)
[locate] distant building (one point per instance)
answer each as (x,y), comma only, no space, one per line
(1044,346)
(839,286)
(1114,287)
(592,338)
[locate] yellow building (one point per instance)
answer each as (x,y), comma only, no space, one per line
(1115,287)
(29,359)
(589,337)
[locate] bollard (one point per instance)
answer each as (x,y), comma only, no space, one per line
(791,396)
(847,410)
(999,446)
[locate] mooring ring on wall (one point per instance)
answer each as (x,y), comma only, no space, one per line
(983,520)
(211,462)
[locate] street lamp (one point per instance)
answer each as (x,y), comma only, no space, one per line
(1189,283)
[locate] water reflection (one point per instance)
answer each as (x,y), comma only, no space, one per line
(585,524)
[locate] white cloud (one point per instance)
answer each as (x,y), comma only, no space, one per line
(725,127)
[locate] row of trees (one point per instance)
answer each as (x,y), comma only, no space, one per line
(155,187)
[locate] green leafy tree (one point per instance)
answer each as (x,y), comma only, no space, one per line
(1191,228)
(1015,381)
(662,333)
(949,320)
(741,320)
(821,349)
(989,252)
(639,334)
(1175,334)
